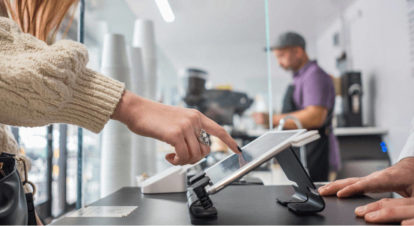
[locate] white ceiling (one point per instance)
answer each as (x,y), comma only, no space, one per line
(227,37)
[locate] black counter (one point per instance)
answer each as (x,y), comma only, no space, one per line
(236,205)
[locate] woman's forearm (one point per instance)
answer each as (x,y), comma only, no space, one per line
(42,84)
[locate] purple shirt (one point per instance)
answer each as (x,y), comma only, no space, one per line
(314,87)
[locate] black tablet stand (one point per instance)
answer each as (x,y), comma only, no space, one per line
(306,199)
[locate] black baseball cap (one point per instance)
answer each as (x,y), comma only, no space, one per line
(288,39)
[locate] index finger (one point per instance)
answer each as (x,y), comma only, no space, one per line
(390,214)
(213,128)
(383,203)
(334,187)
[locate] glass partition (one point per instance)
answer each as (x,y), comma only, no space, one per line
(210,56)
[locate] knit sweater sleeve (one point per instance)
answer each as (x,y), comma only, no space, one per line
(42,84)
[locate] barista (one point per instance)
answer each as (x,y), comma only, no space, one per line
(310,99)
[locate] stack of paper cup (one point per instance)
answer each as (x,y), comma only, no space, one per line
(116,139)
(144,39)
(138,80)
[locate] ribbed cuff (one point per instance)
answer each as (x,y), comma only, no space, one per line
(95,98)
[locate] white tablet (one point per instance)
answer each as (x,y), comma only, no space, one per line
(254,154)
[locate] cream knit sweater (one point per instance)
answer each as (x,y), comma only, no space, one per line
(42,84)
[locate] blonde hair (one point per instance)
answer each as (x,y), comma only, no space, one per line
(41,18)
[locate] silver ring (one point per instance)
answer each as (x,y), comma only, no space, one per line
(204,138)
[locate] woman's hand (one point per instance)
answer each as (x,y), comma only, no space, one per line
(397,178)
(179,127)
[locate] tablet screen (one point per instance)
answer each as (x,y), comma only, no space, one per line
(252,151)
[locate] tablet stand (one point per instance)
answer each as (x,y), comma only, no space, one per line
(199,203)
(306,199)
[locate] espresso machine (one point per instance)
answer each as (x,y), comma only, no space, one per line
(351,90)
(217,104)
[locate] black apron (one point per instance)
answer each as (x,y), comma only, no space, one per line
(317,152)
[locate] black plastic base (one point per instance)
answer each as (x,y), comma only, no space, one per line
(199,203)
(305,200)
(198,211)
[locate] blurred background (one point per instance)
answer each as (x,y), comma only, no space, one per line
(210,55)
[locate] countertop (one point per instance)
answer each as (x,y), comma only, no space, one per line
(339,131)
(354,131)
(236,205)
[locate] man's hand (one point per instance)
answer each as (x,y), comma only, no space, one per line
(179,127)
(311,117)
(397,178)
(388,210)
(261,118)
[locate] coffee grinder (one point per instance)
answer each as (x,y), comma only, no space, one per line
(351,90)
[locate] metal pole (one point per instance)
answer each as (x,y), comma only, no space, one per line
(63,158)
(269,75)
(15,132)
(49,159)
(80,131)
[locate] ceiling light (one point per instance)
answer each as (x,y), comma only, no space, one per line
(165,10)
